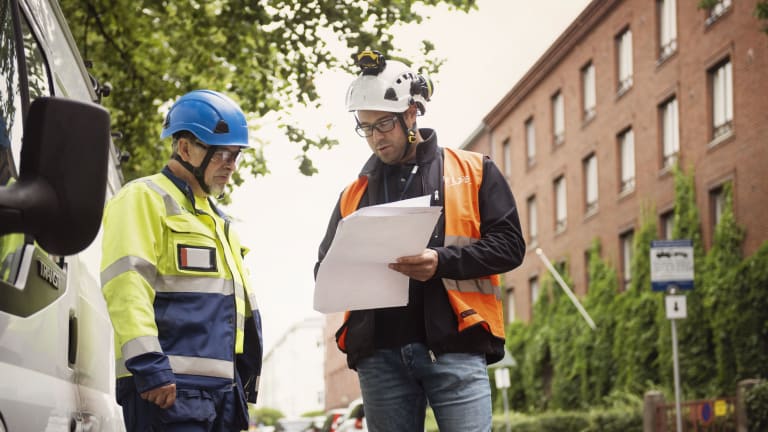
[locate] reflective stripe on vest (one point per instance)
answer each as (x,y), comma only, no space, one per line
(474,301)
(217,283)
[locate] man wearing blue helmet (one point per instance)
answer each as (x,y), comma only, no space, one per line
(187,327)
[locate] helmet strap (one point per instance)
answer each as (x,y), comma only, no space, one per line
(198,172)
(410,134)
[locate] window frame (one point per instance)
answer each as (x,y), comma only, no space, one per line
(560,189)
(721,87)
(669,117)
(558,118)
(530,141)
(626,240)
(591,183)
(627,184)
(624,60)
(532,212)
(588,92)
(506,154)
(667,21)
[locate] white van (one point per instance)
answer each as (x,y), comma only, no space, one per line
(57,167)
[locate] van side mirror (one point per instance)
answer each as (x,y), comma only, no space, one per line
(59,196)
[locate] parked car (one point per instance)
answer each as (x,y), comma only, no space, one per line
(293,424)
(332,419)
(354,419)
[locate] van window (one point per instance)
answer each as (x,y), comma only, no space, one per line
(11,127)
(10,98)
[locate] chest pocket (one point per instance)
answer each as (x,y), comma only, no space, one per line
(192,245)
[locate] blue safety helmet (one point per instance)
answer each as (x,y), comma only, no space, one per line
(212,117)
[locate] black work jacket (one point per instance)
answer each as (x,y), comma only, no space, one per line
(500,249)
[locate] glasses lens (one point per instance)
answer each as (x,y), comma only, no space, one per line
(382,126)
(385,125)
(364,131)
(226,156)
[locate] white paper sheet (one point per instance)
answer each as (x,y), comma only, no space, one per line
(354,273)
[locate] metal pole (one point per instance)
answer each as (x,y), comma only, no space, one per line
(676,366)
(506,408)
(565,288)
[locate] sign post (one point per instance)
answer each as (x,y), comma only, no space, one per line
(672,270)
(501,376)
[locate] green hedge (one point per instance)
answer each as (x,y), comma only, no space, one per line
(565,366)
(757,407)
(609,420)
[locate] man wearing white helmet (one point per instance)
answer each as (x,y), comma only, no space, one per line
(436,349)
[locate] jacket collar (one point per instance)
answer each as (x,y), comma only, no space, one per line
(187,191)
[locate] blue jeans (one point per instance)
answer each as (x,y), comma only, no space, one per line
(397,384)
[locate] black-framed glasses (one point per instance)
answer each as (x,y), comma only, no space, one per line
(384,125)
(221,155)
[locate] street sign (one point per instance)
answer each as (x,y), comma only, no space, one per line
(676,307)
(671,264)
(502,378)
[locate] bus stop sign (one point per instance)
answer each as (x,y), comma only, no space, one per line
(671,264)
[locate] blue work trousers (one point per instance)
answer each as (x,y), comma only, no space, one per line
(397,384)
(195,410)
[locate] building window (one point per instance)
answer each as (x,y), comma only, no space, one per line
(624,60)
(510,305)
(626,257)
(530,141)
(721,78)
(667,224)
(627,167)
(533,284)
(558,119)
(718,10)
(588,91)
(670,132)
(667,10)
(561,212)
(716,206)
(506,149)
(533,226)
(590,183)
(587,280)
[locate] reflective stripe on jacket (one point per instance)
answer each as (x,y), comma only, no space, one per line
(474,301)
(173,277)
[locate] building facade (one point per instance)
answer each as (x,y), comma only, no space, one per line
(292,374)
(588,137)
(341,383)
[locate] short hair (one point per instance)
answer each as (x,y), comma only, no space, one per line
(179,135)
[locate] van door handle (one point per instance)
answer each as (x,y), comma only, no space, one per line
(72,349)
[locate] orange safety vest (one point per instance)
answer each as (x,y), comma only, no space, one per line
(474,301)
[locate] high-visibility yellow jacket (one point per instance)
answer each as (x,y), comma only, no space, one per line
(478,236)
(176,288)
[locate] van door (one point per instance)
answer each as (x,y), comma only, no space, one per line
(39,306)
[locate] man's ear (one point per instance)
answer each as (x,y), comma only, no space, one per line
(410,114)
(184,146)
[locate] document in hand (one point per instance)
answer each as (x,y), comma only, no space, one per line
(354,273)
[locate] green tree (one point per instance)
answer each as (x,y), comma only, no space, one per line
(266,54)
(266,416)
(635,338)
(600,303)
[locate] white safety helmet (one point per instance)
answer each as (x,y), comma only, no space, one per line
(387,85)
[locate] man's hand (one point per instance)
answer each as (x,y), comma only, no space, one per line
(163,396)
(420,267)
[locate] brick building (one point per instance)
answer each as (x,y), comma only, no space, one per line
(587,137)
